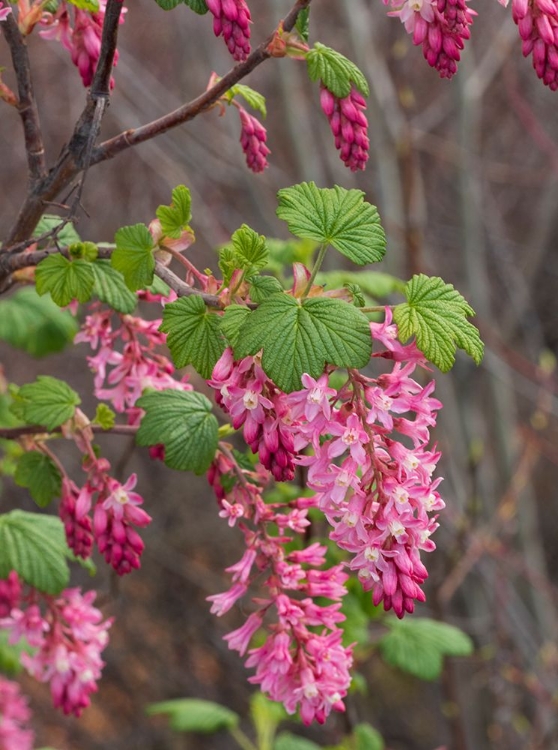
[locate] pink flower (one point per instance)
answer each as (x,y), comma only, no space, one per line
(349,126)
(537,21)
(4,11)
(10,594)
(14,714)
(253,137)
(231,18)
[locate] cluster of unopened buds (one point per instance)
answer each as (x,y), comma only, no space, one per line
(366,453)
(79,31)
(66,634)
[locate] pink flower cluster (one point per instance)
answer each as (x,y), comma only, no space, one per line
(134,369)
(441,26)
(231,18)
(116,513)
(68,637)
(302,662)
(82,38)
(257,405)
(537,21)
(370,464)
(253,137)
(14,714)
(349,126)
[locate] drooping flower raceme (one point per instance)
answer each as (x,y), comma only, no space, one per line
(231,18)
(349,126)
(537,21)
(366,449)
(253,137)
(302,662)
(440,26)
(68,639)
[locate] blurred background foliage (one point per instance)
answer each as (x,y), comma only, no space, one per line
(465,176)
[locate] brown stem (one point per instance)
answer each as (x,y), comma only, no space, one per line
(13,433)
(71,161)
(27,106)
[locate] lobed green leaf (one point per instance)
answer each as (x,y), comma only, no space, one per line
(111,288)
(298,337)
(418,645)
(34,546)
(35,324)
(65,280)
(334,216)
(436,314)
(133,256)
(253,98)
(176,217)
(182,421)
(48,402)
(337,73)
(194,335)
(40,475)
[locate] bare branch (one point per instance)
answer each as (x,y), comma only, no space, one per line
(13,433)
(72,160)
(27,106)
(112,147)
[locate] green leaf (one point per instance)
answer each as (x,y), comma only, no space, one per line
(133,256)
(64,280)
(90,5)
(49,222)
(266,715)
(367,738)
(436,314)
(253,98)
(10,655)
(183,422)
(111,288)
(83,251)
(198,6)
(168,4)
(288,741)
(261,287)
(34,546)
(334,216)
(48,402)
(337,73)
(176,217)
(250,249)
(356,292)
(232,320)
(35,324)
(298,337)
(104,417)
(194,335)
(418,645)
(303,23)
(40,475)
(195,715)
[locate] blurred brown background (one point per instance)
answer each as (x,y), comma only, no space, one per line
(465,175)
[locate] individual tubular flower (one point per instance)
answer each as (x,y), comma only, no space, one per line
(68,640)
(441,26)
(253,138)
(74,507)
(14,715)
(349,126)
(303,662)
(231,18)
(537,21)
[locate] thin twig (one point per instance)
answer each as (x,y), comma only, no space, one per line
(110,148)
(27,106)
(14,433)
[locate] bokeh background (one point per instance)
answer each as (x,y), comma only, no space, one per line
(465,176)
